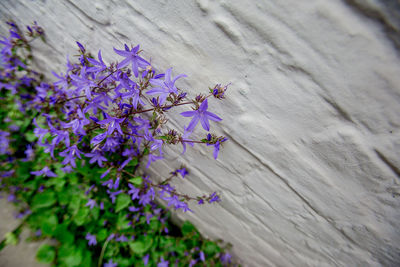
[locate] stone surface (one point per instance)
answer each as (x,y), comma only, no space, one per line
(310,176)
(22,254)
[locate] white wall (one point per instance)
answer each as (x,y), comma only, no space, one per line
(310,176)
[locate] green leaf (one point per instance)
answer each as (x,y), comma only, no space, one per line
(57,182)
(188,228)
(63,235)
(180,247)
(87,258)
(64,197)
(155,224)
(122,222)
(23,172)
(11,238)
(95,213)
(46,254)
(123,201)
(102,235)
(30,137)
(43,200)
(141,245)
(136,181)
(70,255)
(74,204)
(81,216)
(49,224)
(210,248)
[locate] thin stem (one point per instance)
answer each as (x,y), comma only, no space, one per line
(168,106)
(103,249)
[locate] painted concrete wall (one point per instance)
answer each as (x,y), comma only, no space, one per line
(310,176)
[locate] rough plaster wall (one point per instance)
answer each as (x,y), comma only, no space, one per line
(310,176)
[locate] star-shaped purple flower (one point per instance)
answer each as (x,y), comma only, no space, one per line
(70,154)
(110,263)
(96,156)
(131,56)
(82,82)
(46,171)
(91,203)
(163,263)
(92,239)
(201,115)
(98,66)
(164,88)
(113,123)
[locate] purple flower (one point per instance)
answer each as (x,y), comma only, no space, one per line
(113,195)
(132,88)
(131,56)
(125,163)
(99,66)
(202,257)
(4,142)
(163,263)
(67,169)
(92,239)
(146,259)
(105,173)
(38,233)
(7,46)
(192,262)
(108,183)
(121,238)
(182,171)
(11,198)
(146,198)
(45,171)
(91,203)
(164,88)
(98,139)
(96,156)
(62,81)
(81,47)
(110,237)
(112,124)
(213,198)
(133,191)
(185,141)
(83,83)
(70,154)
(76,124)
(216,146)
(201,114)
(90,189)
(133,209)
(110,264)
(225,258)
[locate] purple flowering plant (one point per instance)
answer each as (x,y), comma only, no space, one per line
(75,155)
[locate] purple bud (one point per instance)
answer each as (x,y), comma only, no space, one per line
(81,47)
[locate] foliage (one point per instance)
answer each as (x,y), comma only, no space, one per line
(72,152)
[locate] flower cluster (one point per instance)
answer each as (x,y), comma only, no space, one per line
(115,115)
(89,132)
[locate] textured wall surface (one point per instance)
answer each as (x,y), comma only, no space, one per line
(310,176)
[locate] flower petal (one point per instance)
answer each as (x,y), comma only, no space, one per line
(212,116)
(189,113)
